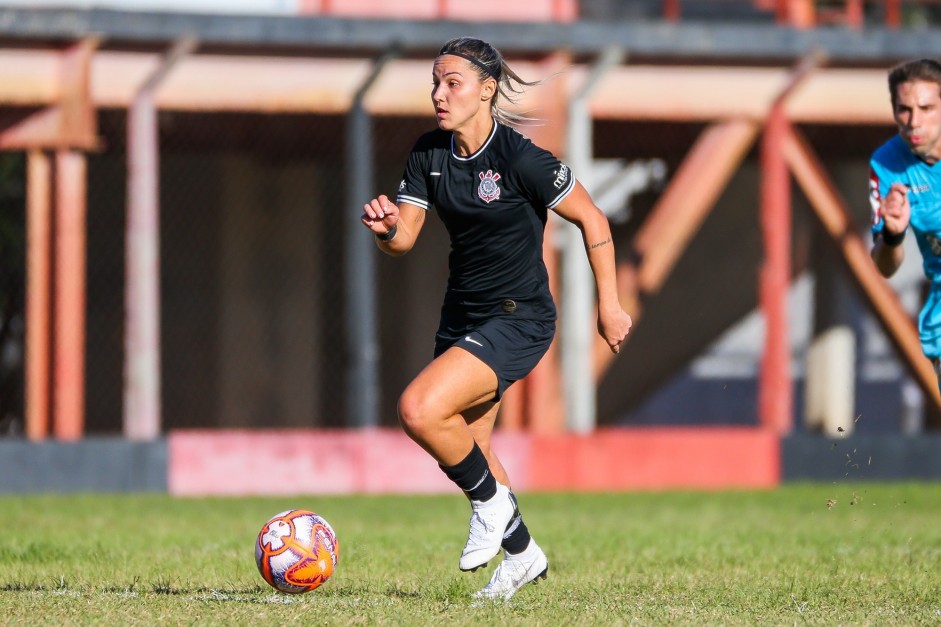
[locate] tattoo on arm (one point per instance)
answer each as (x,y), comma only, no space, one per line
(599,244)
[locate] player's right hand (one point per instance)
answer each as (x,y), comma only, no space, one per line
(613,326)
(380,215)
(896,210)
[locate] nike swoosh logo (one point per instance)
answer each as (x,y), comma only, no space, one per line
(468,338)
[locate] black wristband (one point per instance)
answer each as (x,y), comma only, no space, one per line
(893,239)
(388,235)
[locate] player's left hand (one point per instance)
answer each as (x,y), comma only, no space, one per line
(614,324)
(380,215)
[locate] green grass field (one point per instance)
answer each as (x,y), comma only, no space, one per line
(861,554)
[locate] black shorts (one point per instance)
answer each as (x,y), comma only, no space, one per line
(511,346)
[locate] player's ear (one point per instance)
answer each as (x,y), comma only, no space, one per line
(489,89)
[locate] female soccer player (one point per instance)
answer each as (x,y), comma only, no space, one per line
(492,188)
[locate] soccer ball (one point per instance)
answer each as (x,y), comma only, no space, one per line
(296,551)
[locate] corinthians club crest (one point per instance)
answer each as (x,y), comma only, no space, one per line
(488,190)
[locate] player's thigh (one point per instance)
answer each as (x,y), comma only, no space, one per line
(451,384)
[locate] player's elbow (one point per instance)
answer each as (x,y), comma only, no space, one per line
(887,271)
(886,265)
(394,252)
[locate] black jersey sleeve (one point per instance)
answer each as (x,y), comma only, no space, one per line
(414,186)
(546,179)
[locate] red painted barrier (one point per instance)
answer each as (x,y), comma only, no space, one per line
(657,458)
(377,461)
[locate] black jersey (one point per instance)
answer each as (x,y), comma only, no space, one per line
(494,205)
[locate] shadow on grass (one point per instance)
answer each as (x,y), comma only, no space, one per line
(257,593)
(159,587)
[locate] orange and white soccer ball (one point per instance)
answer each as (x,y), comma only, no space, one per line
(296,551)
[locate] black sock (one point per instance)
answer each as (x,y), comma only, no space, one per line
(517,537)
(472,474)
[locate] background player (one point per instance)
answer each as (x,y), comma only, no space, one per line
(905,188)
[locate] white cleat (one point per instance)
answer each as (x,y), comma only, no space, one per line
(488,521)
(514,572)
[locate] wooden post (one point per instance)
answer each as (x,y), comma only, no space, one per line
(38,294)
(671,10)
(69,302)
(854,14)
(893,14)
(775,398)
(796,13)
(142,419)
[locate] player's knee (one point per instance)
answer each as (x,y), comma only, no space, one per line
(414,414)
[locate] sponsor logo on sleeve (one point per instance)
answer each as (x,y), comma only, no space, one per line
(561,176)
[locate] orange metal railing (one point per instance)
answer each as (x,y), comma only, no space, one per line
(481,10)
(811,13)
